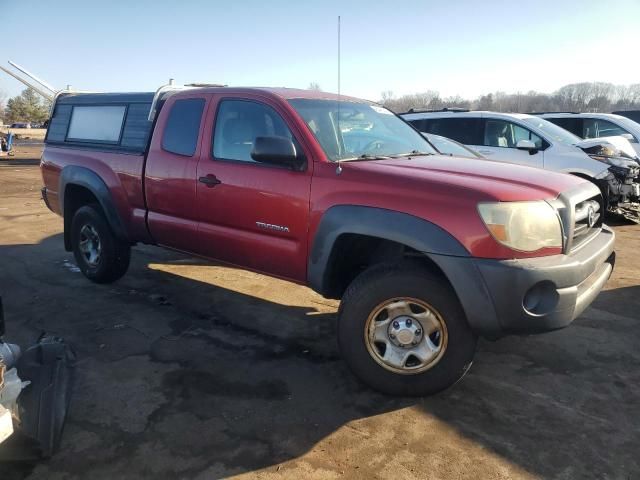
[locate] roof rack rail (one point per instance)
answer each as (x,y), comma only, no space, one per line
(171,88)
(545,113)
(445,109)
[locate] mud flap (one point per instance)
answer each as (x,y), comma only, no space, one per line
(43,404)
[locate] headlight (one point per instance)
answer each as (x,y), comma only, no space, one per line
(525,226)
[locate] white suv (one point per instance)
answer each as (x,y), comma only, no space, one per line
(597,125)
(534,141)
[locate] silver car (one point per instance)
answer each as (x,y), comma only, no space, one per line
(531,140)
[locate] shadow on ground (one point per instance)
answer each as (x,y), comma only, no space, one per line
(18,162)
(179,377)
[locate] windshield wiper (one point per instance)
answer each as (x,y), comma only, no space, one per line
(365,156)
(412,153)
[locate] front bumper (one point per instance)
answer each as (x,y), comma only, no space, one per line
(532,295)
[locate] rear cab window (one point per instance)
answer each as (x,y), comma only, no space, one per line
(182,128)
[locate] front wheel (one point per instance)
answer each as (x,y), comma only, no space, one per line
(402,331)
(100,255)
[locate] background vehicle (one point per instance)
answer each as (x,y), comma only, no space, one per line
(21,125)
(534,141)
(597,125)
(631,114)
(451,147)
(426,252)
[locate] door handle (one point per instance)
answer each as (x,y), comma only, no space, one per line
(210,181)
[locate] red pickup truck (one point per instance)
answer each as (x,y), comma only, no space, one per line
(426,252)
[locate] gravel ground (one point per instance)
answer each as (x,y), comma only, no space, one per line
(188,369)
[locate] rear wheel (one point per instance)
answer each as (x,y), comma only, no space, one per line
(100,255)
(402,331)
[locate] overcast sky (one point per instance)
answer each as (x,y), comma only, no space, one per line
(455,47)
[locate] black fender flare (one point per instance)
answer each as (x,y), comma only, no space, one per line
(414,232)
(84,177)
(423,236)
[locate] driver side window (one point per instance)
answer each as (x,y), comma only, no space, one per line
(239,122)
(501,133)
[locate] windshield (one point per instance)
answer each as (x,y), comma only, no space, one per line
(349,130)
(450,147)
(552,131)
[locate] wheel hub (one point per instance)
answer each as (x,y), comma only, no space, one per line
(406,335)
(90,245)
(405,332)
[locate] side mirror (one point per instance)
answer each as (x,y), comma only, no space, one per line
(629,137)
(276,151)
(527,145)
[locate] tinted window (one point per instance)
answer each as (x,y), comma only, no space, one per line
(500,133)
(464,130)
(574,125)
(239,122)
(596,128)
(96,123)
(181,130)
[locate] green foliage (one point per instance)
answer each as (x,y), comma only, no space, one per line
(27,107)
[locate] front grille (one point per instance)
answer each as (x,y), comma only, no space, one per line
(587,218)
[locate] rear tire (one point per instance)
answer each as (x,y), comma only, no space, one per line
(100,255)
(402,331)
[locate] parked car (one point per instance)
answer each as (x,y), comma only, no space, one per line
(631,114)
(21,125)
(534,141)
(597,125)
(426,252)
(451,147)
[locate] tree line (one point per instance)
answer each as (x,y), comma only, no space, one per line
(575,97)
(27,107)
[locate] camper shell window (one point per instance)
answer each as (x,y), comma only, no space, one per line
(100,123)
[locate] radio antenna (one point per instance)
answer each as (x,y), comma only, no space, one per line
(339,129)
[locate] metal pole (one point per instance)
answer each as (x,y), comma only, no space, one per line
(46,95)
(33,77)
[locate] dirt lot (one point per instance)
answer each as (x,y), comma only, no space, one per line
(192,370)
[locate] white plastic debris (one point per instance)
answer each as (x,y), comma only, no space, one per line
(10,389)
(6,424)
(9,354)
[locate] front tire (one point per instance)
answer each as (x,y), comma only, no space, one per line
(100,255)
(402,331)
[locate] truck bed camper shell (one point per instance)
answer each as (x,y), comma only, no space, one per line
(105,121)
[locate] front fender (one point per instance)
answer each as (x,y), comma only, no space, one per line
(428,238)
(414,232)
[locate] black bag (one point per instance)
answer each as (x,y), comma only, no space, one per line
(43,405)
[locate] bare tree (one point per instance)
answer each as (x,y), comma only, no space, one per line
(3,102)
(578,97)
(314,86)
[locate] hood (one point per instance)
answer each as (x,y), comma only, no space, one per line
(484,179)
(609,147)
